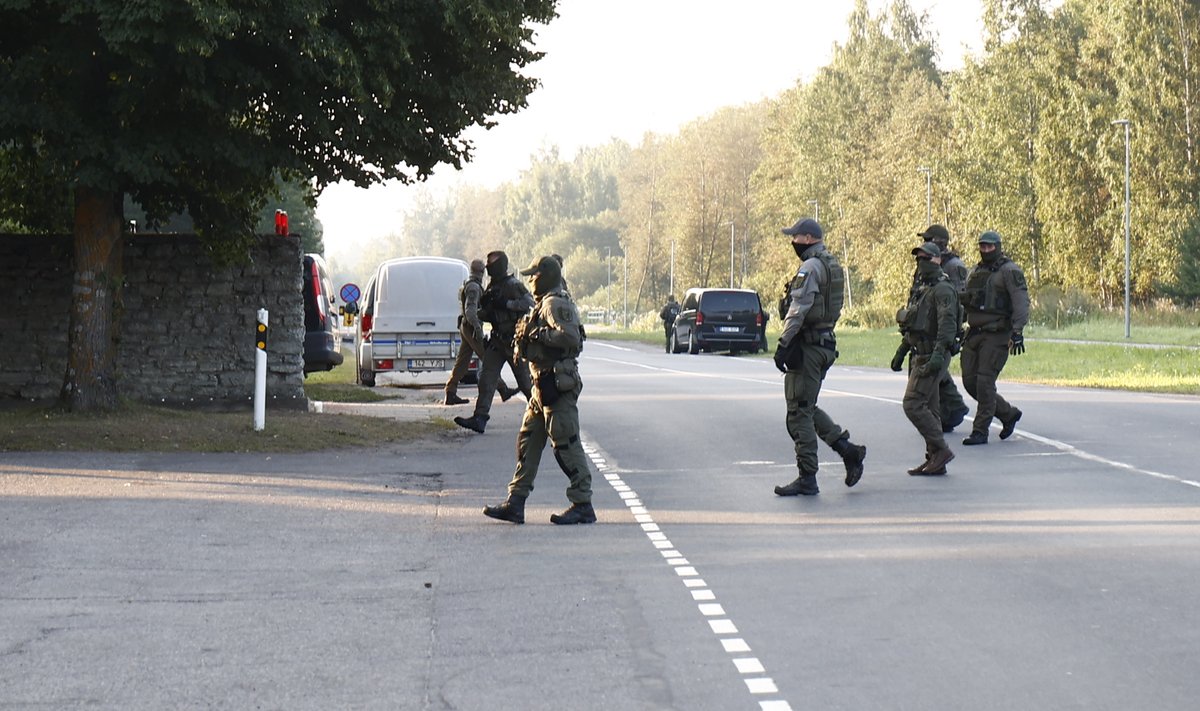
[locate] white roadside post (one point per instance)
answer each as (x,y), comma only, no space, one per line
(260,372)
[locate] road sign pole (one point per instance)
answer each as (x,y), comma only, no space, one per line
(260,372)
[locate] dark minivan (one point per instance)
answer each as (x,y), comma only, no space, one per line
(322,337)
(720,320)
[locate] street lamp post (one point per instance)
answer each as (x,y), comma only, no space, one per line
(928,194)
(1125,123)
(608,262)
(731,257)
(672,267)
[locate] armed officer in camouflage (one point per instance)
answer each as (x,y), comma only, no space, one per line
(504,302)
(550,338)
(471,330)
(996,299)
(807,349)
(952,408)
(929,324)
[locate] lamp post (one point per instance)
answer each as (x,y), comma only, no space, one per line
(731,257)
(928,193)
(608,262)
(1125,123)
(672,291)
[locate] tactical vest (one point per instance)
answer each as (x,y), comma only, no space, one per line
(827,307)
(985,292)
(543,355)
(504,319)
(462,293)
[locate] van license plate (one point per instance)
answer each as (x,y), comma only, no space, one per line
(728,329)
(426,364)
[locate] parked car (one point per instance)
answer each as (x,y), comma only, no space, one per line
(719,320)
(322,327)
(408,318)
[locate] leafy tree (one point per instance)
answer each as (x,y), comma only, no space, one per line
(197,107)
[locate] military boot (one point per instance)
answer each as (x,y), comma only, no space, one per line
(852,456)
(1009,423)
(578,513)
(936,466)
(476,422)
(805,484)
(454,399)
(954,420)
(976,438)
(511,509)
(506,392)
(920,468)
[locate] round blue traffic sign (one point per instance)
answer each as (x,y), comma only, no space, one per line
(350,293)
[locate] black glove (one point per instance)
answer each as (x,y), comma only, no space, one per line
(782,355)
(1016,344)
(898,359)
(933,366)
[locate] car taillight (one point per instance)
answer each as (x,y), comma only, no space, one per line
(316,290)
(385,364)
(758,319)
(699,318)
(366,322)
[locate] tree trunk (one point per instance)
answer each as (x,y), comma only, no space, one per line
(90,381)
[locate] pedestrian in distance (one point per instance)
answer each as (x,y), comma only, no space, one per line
(807,349)
(929,324)
(668,314)
(550,338)
(996,300)
(470,328)
(504,302)
(953,409)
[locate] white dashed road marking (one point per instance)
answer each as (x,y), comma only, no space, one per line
(753,673)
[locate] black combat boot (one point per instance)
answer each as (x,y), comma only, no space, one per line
(476,422)
(506,392)
(511,509)
(1009,423)
(805,484)
(936,466)
(852,456)
(454,399)
(578,513)
(954,420)
(976,438)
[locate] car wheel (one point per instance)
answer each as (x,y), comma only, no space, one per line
(366,378)
(674,343)
(693,344)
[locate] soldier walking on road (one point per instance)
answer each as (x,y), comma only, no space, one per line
(471,330)
(807,349)
(504,302)
(668,314)
(550,338)
(997,303)
(953,409)
(929,324)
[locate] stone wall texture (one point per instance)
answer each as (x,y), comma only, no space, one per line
(186,323)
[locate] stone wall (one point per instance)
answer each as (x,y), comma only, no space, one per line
(186,325)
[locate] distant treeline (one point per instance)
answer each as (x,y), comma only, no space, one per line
(1020,140)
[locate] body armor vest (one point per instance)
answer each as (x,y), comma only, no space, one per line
(503,319)
(827,308)
(985,291)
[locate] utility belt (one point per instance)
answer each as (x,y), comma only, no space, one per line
(822,337)
(920,344)
(1001,325)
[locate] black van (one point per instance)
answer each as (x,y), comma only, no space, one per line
(720,320)
(322,337)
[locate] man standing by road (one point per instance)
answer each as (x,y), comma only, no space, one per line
(997,303)
(471,330)
(953,409)
(668,314)
(504,302)
(550,338)
(807,348)
(929,324)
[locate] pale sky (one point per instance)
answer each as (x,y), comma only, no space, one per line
(620,68)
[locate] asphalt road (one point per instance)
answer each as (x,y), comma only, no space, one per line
(1055,570)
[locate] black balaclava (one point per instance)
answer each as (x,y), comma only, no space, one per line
(497,264)
(800,249)
(927,269)
(990,257)
(548,276)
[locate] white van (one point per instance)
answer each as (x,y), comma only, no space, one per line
(409,317)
